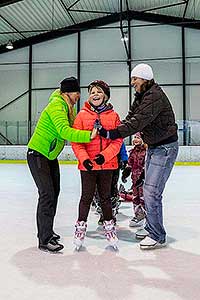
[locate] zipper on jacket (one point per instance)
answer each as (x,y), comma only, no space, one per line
(98,115)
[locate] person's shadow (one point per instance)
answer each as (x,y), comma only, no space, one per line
(123,234)
(169,271)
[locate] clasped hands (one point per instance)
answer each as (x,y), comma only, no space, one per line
(98,129)
(88,163)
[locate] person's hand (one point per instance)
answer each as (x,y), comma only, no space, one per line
(99,159)
(139,182)
(103,132)
(97,124)
(126,172)
(123,164)
(124,180)
(88,164)
(112,134)
(93,133)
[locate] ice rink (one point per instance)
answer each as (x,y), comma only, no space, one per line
(97,272)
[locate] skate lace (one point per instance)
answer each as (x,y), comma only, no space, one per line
(80,232)
(110,232)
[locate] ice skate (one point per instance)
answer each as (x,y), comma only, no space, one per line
(139,218)
(110,233)
(79,235)
(135,222)
(126,197)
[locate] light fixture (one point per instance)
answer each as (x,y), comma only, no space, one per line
(124,38)
(9,46)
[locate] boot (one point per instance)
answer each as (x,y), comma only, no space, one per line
(51,246)
(79,234)
(110,233)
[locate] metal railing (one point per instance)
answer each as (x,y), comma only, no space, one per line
(16,132)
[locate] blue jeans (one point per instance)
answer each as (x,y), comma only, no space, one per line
(158,166)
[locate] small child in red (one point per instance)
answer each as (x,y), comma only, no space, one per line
(135,167)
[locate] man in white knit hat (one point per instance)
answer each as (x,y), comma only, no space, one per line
(151,114)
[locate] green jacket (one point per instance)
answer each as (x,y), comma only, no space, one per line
(54,127)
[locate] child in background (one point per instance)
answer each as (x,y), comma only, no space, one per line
(135,167)
(97,160)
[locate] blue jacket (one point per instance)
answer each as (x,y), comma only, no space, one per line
(123,153)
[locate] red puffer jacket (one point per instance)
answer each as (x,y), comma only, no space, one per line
(109,119)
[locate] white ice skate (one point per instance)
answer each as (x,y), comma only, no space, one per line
(79,234)
(110,233)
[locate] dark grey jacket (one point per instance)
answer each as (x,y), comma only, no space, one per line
(152,115)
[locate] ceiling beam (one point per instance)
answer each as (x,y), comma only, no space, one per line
(67,11)
(186,6)
(8,2)
(164,6)
(149,17)
(13,27)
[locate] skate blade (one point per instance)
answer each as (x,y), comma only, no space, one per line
(140,237)
(112,248)
(77,248)
(115,247)
(156,246)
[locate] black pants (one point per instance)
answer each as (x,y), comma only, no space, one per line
(46,175)
(114,184)
(102,179)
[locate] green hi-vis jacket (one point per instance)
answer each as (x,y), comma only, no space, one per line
(54,127)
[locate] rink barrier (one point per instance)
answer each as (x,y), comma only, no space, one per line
(12,161)
(188,155)
(74,162)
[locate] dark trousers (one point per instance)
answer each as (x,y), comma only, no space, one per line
(90,180)
(46,175)
(114,184)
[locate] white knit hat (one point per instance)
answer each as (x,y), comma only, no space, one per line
(143,71)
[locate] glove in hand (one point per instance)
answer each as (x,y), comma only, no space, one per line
(99,159)
(139,182)
(103,132)
(126,172)
(88,164)
(123,164)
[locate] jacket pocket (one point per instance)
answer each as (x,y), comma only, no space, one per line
(53,145)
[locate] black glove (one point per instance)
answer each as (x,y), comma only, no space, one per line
(123,164)
(140,180)
(103,132)
(99,159)
(124,180)
(126,172)
(112,134)
(88,164)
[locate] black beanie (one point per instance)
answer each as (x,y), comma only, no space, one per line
(69,85)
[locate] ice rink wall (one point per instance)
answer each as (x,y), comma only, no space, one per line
(17,153)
